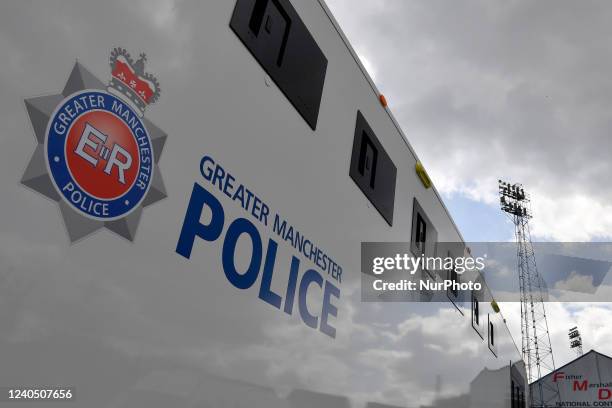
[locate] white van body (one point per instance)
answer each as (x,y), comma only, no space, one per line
(125,319)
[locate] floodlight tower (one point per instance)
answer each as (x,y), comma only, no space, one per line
(536,345)
(575,340)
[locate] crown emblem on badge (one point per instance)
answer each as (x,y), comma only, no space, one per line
(130,82)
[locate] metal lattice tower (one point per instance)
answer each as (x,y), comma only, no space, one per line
(536,345)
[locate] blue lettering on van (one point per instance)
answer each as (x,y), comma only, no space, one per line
(219,178)
(242,228)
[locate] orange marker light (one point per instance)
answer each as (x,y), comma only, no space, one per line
(383,100)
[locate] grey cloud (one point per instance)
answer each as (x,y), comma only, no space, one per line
(517,89)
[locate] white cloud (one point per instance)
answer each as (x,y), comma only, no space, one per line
(593,320)
(576,282)
(367,64)
(517,90)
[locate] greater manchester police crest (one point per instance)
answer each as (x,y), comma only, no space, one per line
(97,154)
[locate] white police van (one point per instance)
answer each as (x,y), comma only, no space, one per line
(213,260)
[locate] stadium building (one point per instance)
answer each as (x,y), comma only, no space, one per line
(583,382)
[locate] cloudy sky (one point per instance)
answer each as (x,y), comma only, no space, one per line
(519,90)
(516,89)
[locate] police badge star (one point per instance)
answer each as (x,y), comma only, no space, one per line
(97,154)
